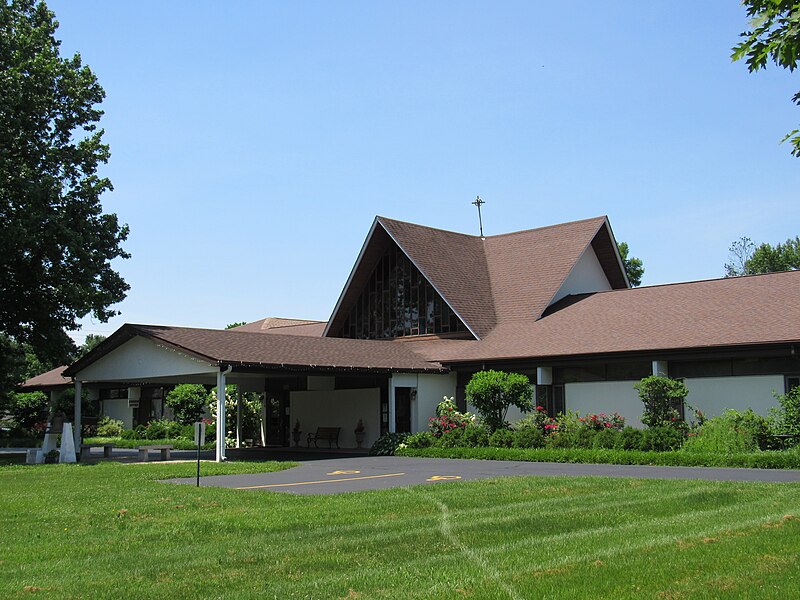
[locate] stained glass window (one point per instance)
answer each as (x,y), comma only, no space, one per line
(397,301)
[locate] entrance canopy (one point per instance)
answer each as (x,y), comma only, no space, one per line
(137,355)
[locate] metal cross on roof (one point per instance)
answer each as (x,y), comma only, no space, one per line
(478,202)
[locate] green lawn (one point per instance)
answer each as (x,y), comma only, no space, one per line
(112,531)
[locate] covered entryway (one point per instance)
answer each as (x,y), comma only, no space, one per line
(298,398)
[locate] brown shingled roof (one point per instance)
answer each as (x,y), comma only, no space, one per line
(51,380)
(243,348)
(754,310)
(284,326)
(489,281)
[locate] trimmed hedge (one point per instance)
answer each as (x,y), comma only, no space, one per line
(789,459)
(179,444)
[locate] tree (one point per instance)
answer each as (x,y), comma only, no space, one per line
(90,343)
(747,259)
(740,252)
(634,268)
(236,324)
(662,399)
(775,36)
(493,392)
(187,401)
(56,244)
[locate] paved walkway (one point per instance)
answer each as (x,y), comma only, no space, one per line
(353,474)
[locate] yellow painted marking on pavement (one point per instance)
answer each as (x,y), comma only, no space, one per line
(344,472)
(272,485)
(444,477)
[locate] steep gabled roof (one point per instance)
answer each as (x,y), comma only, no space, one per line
(454,264)
(487,281)
(527,268)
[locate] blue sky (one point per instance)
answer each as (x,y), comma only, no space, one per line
(253,142)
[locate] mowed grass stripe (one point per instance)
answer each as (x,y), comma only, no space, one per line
(442,549)
(179,541)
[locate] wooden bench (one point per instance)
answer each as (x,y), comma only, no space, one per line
(144,452)
(785,437)
(325,434)
(86,450)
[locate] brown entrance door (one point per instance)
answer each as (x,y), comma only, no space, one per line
(277,419)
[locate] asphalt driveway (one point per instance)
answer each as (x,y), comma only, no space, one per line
(359,473)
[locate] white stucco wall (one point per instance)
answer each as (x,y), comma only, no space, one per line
(119,409)
(431,390)
(587,276)
(337,408)
(140,358)
(605,397)
(713,395)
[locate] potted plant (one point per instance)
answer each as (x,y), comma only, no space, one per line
(296,433)
(360,433)
(51,457)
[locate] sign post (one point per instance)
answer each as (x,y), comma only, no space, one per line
(199,436)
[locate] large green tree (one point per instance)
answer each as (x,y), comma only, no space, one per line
(634,268)
(56,244)
(774,36)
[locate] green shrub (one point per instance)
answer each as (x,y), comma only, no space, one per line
(29,410)
(448,418)
(128,434)
(423,439)
(188,402)
(537,419)
(629,438)
(579,437)
(788,459)
(661,397)
(451,439)
(730,432)
(528,437)
(788,417)
(501,438)
(493,392)
(662,439)
(108,427)
(387,444)
(606,438)
(476,435)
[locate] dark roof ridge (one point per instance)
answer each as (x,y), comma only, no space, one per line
(497,235)
(553,226)
(468,235)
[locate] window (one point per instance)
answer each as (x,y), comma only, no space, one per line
(397,301)
(114,394)
(792,381)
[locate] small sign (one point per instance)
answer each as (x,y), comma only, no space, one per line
(199,433)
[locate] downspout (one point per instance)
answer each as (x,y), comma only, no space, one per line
(221,412)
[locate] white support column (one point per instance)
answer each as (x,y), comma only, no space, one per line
(221,414)
(238,416)
(77,424)
(660,368)
(264,419)
(392,421)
